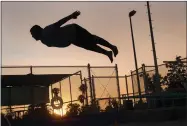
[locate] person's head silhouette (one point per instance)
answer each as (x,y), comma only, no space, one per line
(36,32)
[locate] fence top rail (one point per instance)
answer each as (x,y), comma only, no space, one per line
(102,66)
(55,66)
(128,75)
(183,60)
(36,66)
(150,70)
(76,73)
(108,76)
(167,96)
(154,66)
(135,70)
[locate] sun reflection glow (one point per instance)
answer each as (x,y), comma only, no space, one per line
(60,112)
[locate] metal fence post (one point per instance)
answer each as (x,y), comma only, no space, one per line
(93,84)
(81,77)
(86,91)
(60,89)
(144,77)
(31,69)
(132,87)
(127,87)
(61,96)
(70,89)
(51,90)
(10,101)
(145,84)
(81,84)
(90,82)
(118,86)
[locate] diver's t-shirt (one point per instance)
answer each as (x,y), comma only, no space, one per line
(54,36)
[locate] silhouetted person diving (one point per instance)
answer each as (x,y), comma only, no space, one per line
(56,36)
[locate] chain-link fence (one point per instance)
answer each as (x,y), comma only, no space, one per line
(105,83)
(105,87)
(147,82)
(66,78)
(101,82)
(143,73)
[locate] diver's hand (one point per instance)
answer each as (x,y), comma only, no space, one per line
(75,14)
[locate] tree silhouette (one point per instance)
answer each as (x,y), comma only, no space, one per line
(83,89)
(73,109)
(94,107)
(151,81)
(176,77)
(81,98)
(38,111)
(112,105)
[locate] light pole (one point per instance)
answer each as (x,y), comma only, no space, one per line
(132,13)
(154,50)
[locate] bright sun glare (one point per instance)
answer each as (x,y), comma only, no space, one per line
(60,112)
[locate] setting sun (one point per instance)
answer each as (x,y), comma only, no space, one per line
(60,112)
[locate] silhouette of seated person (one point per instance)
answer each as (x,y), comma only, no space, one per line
(56,36)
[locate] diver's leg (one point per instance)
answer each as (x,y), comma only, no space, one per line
(98,49)
(95,48)
(87,41)
(105,43)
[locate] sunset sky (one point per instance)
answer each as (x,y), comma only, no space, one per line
(106,19)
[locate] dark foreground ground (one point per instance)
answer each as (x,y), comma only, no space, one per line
(166,123)
(155,117)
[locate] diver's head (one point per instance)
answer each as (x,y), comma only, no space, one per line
(36,32)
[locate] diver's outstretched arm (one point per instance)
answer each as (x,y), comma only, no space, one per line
(62,21)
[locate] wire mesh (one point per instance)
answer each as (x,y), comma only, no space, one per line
(105,87)
(75,79)
(150,71)
(129,83)
(122,85)
(105,83)
(103,104)
(86,81)
(69,87)
(103,71)
(163,70)
(126,85)
(135,82)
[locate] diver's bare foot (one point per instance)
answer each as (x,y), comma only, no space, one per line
(110,56)
(115,50)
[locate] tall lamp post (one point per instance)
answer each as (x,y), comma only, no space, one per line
(154,50)
(132,13)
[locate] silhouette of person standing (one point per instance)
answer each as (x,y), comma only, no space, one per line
(56,36)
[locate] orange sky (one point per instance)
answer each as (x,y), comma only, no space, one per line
(106,19)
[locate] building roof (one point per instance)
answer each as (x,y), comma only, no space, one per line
(31,79)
